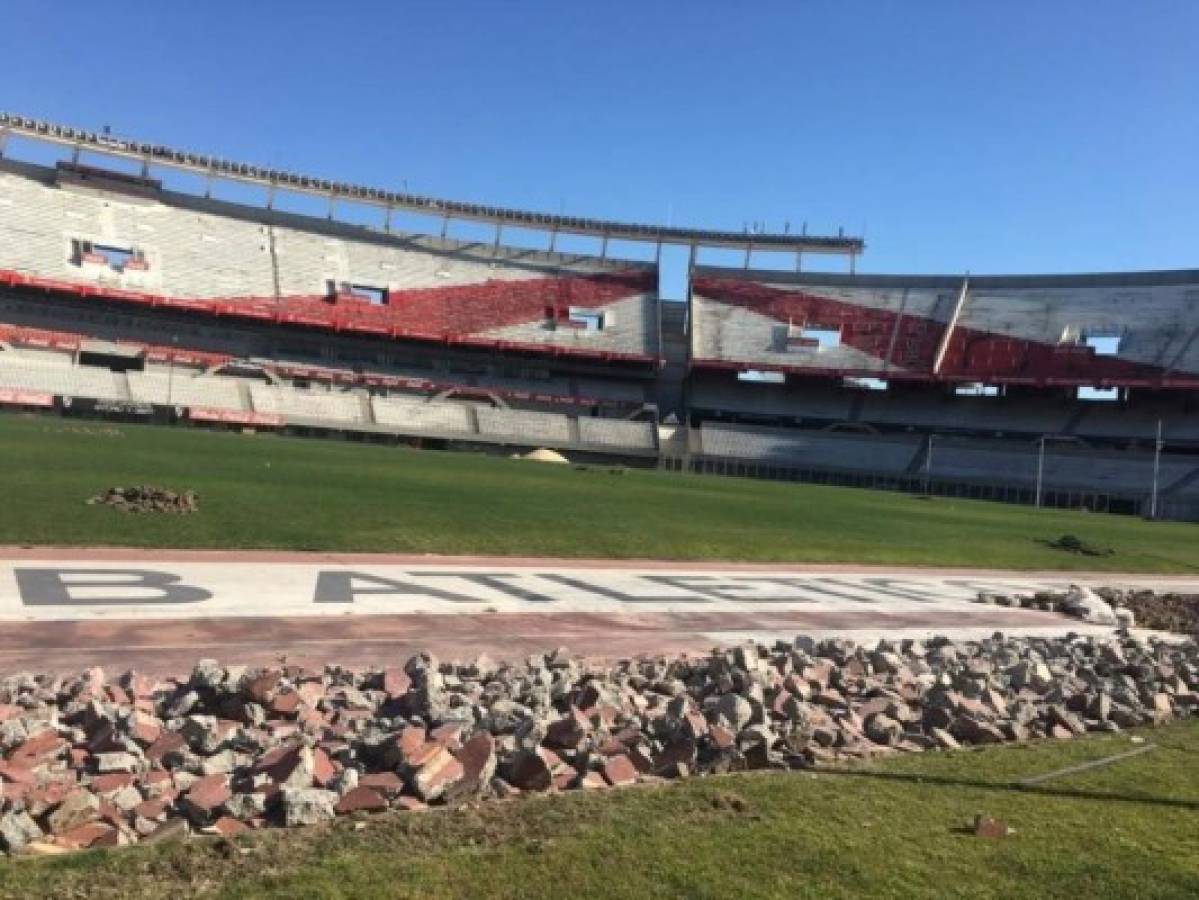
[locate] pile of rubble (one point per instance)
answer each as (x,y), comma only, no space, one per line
(147,499)
(1162,612)
(1103,606)
(88,761)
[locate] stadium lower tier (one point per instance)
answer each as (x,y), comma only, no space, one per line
(1022,470)
(31,379)
(1018,471)
(1097,455)
(1132,416)
(56,323)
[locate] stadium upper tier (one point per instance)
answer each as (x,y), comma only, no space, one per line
(185,253)
(1124,329)
(154,157)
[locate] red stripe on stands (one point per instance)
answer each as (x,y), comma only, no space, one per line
(972,354)
(452,315)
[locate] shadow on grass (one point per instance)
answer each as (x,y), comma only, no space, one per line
(1085,550)
(1012,787)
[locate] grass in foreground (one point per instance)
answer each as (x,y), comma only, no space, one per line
(891,828)
(266,491)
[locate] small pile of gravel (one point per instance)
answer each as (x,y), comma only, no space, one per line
(1162,612)
(145,498)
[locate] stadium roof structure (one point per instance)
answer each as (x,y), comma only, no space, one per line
(214,168)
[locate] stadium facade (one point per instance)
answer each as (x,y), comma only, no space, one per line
(123,297)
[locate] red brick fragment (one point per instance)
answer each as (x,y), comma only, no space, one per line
(16,773)
(288,765)
(152,809)
(227,826)
(117,694)
(42,745)
(388,783)
(323,769)
(448,735)
(284,703)
(478,760)
(93,834)
(167,742)
(115,781)
(396,682)
(619,770)
(206,795)
(144,728)
(361,799)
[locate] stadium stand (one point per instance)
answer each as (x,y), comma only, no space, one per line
(1063,467)
(720,392)
(1180,422)
(528,427)
(945,412)
(62,379)
(185,389)
(222,259)
(419,417)
(806,448)
(1019,329)
(615,433)
(316,406)
(1069,475)
(181,307)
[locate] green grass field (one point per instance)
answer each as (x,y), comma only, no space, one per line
(265,491)
(895,828)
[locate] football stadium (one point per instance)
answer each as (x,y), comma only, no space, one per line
(343,527)
(125,300)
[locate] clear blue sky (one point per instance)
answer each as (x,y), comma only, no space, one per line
(989,136)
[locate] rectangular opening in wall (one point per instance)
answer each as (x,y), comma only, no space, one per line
(1104,344)
(977,389)
(525,238)
(1099,395)
(29,150)
(243,192)
(672,273)
(364,215)
(180,180)
(634,251)
(756,377)
(117,257)
(816,337)
(300,204)
(720,257)
(109,255)
(772,260)
(102,161)
(577,244)
(482,233)
(865,384)
(825,338)
(375,296)
(587,319)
